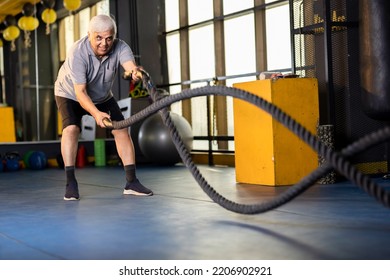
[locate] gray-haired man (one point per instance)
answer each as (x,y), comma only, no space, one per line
(83,86)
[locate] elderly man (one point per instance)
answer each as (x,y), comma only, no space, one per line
(83,86)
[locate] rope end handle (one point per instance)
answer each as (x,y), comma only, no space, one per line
(108,123)
(128,75)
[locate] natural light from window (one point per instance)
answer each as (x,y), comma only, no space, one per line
(239,47)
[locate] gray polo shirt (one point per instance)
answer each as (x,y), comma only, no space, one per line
(81,66)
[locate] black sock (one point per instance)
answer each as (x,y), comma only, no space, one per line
(70,176)
(130,172)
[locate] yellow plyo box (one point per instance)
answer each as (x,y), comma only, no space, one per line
(7,125)
(266,152)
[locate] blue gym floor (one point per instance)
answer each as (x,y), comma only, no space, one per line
(337,221)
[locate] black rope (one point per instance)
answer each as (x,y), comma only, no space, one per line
(334,160)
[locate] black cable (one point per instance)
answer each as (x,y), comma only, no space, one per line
(335,160)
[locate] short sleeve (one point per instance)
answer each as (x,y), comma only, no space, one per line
(78,66)
(125,52)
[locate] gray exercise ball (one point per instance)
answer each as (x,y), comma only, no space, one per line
(155,140)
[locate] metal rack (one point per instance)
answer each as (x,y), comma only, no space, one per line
(325,43)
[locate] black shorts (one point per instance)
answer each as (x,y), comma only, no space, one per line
(72,112)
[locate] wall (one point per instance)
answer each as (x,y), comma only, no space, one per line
(139,25)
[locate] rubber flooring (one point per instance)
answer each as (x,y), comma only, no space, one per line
(180,222)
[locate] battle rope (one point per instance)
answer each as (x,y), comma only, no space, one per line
(334,160)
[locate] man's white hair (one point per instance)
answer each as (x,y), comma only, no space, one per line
(102,23)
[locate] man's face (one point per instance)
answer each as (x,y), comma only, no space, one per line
(101,42)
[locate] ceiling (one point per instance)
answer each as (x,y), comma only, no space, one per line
(13,7)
